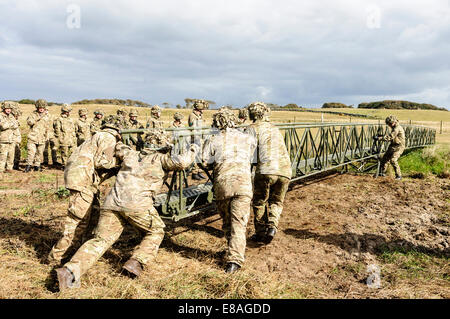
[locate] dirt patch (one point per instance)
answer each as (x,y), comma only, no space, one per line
(333,235)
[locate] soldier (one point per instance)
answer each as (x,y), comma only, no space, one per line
(133,123)
(230,153)
(196,120)
(82,127)
(396,147)
(122,116)
(154,120)
(177,118)
(8,124)
(88,166)
(64,129)
(272,175)
(130,201)
(243,116)
(97,121)
(16,112)
(50,142)
(38,123)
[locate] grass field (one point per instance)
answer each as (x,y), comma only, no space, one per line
(428,118)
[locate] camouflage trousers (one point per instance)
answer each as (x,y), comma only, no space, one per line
(17,154)
(75,223)
(235,213)
(108,231)
(65,151)
(53,150)
(391,156)
(268,198)
(35,153)
(6,156)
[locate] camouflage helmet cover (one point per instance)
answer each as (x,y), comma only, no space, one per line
(112,121)
(9,105)
(134,112)
(178,116)
(223,119)
(200,105)
(99,111)
(243,113)
(157,140)
(41,104)
(258,110)
(82,112)
(391,119)
(155,109)
(66,108)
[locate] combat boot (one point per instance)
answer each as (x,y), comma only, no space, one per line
(399,178)
(133,266)
(37,169)
(16,167)
(257,238)
(27,169)
(66,279)
(232,267)
(270,234)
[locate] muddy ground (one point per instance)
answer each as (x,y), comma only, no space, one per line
(334,234)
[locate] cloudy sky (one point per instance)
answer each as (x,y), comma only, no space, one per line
(231,52)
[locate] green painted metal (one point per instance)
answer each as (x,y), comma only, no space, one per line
(313,149)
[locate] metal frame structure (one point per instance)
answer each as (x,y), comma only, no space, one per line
(313,149)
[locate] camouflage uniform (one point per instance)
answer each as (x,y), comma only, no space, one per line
(196,120)
(230,152)
(177,118)
(136,138)
(82,127)
(131,200)
(396,147)
(273,169)
(37,135)
(17,138)
(154,121)
(97,122)
(8,124)
(122,117)
(88,166)
(50,142)
(64,129)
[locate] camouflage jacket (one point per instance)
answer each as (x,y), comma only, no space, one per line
(8,125)
(38,123)
(396,137)
(50,133)
(230,152)
(95,125)
(82,130)
(64,129)
(141,177)
(92,162)
(195,120)
(271,154)
(136,139)
(17,134)
(154,123)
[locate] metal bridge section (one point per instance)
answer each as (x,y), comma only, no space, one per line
(313,149)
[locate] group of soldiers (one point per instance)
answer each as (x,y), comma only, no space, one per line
(231,151)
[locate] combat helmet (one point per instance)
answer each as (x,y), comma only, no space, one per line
(134,112)
(258,110)
(178,116)
(99,111)
(82,112)
(41,104)
(112,121)
(66,108)
(224,119)
(200,105)
(391,119)
(158,140)
(9,105)
(243,113)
